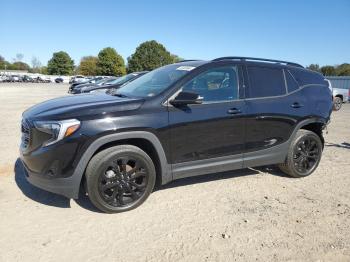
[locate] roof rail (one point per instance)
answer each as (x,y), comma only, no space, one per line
(241,58)
(187,60)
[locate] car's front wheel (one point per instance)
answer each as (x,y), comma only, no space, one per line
(120,178)
(304,154)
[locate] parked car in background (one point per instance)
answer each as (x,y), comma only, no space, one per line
(27,79)
(78,79)
(42,79)
(185,119)
(87,81)
(14,78)
(340,96)
(112,85)
(104,81)
(3,78)
(59,80)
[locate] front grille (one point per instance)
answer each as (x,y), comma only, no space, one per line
(25,128)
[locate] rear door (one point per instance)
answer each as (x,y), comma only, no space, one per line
(272,111)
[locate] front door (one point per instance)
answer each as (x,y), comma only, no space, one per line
(215,128)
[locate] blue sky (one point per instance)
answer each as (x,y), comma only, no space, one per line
(301,31)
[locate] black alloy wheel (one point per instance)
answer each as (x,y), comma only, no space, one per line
(306,155)
(120,178)
(123,182)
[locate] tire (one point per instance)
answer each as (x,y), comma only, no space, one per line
(299,157)
(337,103)
(120,178)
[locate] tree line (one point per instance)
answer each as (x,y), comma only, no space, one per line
(328,70)
(147,56)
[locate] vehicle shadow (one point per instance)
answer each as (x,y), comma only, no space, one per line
(35,193)
(341,145)
(51,199)
(44,197)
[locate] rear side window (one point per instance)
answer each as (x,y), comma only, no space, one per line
(265,82)
(305,77)
(292,85)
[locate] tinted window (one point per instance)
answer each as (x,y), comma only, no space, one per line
(265,81)
(218,84)
(292,85)
(305,77)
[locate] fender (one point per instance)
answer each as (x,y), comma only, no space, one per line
(305,122)
(83,162)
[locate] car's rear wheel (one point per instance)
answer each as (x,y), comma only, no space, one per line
(120,178)
(304,154)
(337,103)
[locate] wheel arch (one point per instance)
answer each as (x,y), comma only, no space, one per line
(315,125)
(147,141)
(340,96)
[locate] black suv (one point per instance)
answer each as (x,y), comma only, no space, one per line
(185,119)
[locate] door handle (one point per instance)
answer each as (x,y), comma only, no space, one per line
(234,111)
(296,105)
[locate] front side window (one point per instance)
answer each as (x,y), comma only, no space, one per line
(217,84)
(265,82)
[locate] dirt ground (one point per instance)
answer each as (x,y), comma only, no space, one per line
(248,215)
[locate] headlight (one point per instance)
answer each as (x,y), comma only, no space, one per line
(57,129)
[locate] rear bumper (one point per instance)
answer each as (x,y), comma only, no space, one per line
(68,187)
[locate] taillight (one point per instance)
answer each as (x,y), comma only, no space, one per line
(349,92)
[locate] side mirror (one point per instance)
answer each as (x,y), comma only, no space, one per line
(186,98)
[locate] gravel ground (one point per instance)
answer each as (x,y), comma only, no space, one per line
(248,215)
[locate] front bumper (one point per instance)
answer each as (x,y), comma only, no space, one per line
(68,187)
(55,168)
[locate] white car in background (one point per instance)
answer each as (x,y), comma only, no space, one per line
(340,96)
(78,79)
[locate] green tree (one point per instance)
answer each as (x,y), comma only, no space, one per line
(328,70)
(8,66)
(314,67)
(60,64)
(2,62)
(148,56)
(343,70)
(176,58)
(110,63)
(20,66)
(43,70)
(88,65)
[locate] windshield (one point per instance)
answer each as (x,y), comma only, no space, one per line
(154,82)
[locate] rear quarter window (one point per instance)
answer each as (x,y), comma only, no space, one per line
(306,77)
(265,82)
(292,84)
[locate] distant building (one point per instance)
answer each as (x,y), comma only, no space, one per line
(340,81)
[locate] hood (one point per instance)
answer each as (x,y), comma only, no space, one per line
(82,106)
